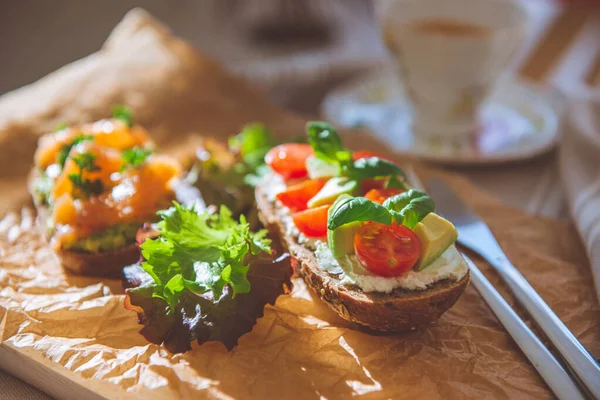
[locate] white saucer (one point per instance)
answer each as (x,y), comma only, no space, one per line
(520,120)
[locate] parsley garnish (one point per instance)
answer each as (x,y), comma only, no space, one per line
(63,154)
(134,157)
(86,162)
(124,114)
(82,187)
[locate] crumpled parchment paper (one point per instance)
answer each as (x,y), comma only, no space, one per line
(299,349)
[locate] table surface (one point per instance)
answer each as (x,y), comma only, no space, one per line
(532,186)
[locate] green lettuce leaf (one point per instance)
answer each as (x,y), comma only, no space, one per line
(202,316)
(195,279)
(200,252)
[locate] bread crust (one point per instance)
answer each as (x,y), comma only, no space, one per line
(400,310)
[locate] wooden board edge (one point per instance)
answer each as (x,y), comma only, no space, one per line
(53,379)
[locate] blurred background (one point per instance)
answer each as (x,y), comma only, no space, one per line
(296,49)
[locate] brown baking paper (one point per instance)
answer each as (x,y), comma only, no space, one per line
(299,349)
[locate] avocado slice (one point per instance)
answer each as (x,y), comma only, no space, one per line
(112,238)
(332,190)
(437,235)
(341,240)
(318,168)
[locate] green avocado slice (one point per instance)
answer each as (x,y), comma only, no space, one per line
(333,189)
(437,235)
(109,239)
(341,239)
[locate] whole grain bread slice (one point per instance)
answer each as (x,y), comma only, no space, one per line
(400,310)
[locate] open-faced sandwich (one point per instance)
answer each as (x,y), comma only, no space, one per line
(367,243)
(227,174)
(204,276)
(94,186)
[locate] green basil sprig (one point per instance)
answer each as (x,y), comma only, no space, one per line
(354,209)
(410,207)
(327,145)
(407,208)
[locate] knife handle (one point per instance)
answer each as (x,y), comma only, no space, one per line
(549,368)
(574,353)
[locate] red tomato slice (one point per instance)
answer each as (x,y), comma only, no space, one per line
(380,195)
(289,160)
(312,222)
(357,155)
(296,196)
(386,250)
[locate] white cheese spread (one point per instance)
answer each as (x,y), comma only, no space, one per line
(348,269)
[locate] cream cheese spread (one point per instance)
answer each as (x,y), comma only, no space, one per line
(348,269)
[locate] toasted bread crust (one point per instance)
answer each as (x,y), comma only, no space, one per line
(105,264)
(400,310)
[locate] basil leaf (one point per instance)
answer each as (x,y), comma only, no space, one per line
(325,141)
(410,207)
(374,167)
(394,183)
(354,209)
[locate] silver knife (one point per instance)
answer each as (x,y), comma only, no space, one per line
(544,362)
(474,234)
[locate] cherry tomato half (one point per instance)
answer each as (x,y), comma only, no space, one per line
(289,160)
(381,195)
(357,155)
(296,196)
(386,250)
(312,222)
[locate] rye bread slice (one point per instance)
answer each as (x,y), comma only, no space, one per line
(400,310)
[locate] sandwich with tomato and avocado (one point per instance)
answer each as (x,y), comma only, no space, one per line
(367,243)
(94,185)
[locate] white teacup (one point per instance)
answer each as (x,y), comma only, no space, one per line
(450,54)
